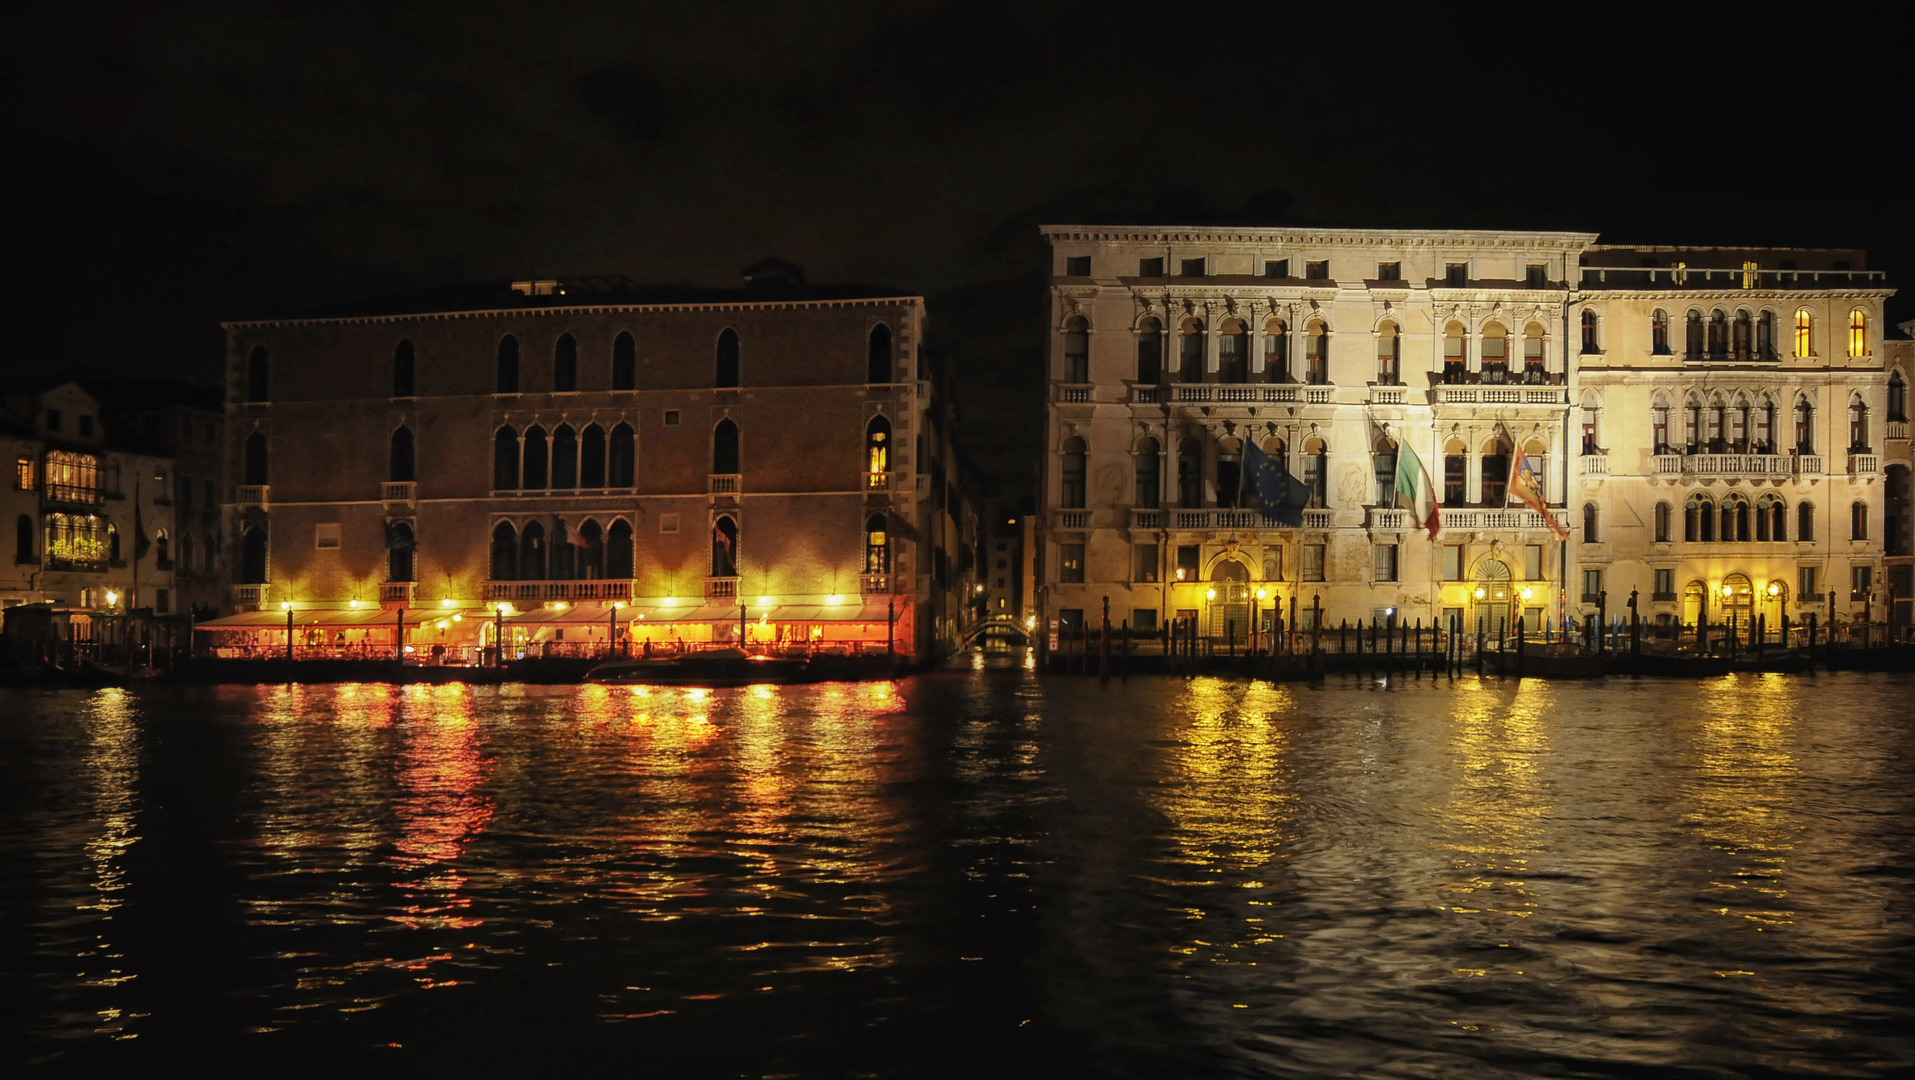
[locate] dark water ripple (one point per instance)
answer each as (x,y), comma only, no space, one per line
(976,874)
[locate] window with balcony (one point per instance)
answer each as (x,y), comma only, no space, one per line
(1897,398)
(1495,474)
(1229,474)
(724,547)
(1534,368)
(1455,355)
(1316,473)
(725,457)
(399,455)
(1389,355)
(1276,351)
(1858,426)
(399,547)
(252,556)
(258,387)
(1148,494)
(1316,352)
(1076,350)
(624,362)
(402,369)
(1190,352)
(877,545)
(1659,427)
(79,542)
(1383,473)
(877,448)
(725,357)
(1190,474)
(1804,426)
(1150,352)
(75,478)
(1071,491)
(1233,352)
(1455,479)
(1693,335)
(1495,353)
(618,550)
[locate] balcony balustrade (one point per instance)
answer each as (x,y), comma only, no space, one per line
(1498,519)
(1864,464)
(1738,465)
(1147,395)
(721,588)
(1382,520)
(398,491)
(1146,519)
(252,494)
(1318,519)
(250,595)
(725,483)
(1386,395)
(1073,519)
(397,592)
(1595,465)
(1073,393)
(875,584)
(881,481)
(1807,464)
(1666,464)
(1898,429)
(538,592)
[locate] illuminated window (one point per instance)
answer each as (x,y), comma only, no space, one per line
(877,447)
(23,474)
(1495,353)
(1455,355)
(877,548)
(1533,353)
(1750,275)
(1858,333)
(1804,333)
(73,478)
(1070,559)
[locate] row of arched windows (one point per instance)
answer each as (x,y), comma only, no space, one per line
(1222,487)
(589,552)
(563,459)
(879,367)
(1739,422)
(1742,335)
(1735,519)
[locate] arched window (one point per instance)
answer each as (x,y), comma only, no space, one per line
(399,461)
(1591,416)
(1858,520)
(1383,473)
(399,545)
(1495,353)
(402,364)
(1592,532)
(505,459)
(877,449)
(505,552)
(878,355)
(1455,353)
(1659,426)
(1738,429)
(1389,355)
(1535,370)
(1316,474)
(1276,351)
(1804,426)
(1715,421)
(163,549)
(1858,425)
(1076,350)
(533,474)
(562,559)
(1233,352)
(1455,474)
(1316,352)
(1229,471)
(1739,337)
(1804,521)
(624,457)
(1495,473)
(724,547)
(1659,332)
(1718,335)
(1897,397)
(1190,352)
(1149,471)
(257,385)
(1072,493)
(1589,332)
(877,547)
(1662,522)
(1735,519)
(256,471)
(590,559)
(507,380)
(532,552)
(565,365)
(618,551)
(1699,520)
(252,556)
(1858,333)
(591,457)
(1150,352)
(1190,474)
(564,457)
(724,448)
(727,355)
(23,540)
(624,362)
(1692,335)
(1804,333)
(1765,336)
(1771,519)
(1762,425)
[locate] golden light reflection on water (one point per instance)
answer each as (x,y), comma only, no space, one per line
(1746,773)
(111,770)
(1491,824)
(440,808)
(1231,804)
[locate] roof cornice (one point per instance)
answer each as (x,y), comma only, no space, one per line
(1324,237)
(572,309)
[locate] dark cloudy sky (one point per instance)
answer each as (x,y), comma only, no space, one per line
(175,165)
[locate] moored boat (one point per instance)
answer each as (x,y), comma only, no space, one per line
(713,667)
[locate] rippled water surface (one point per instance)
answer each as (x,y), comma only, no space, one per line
(967,874)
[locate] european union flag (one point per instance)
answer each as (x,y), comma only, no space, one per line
(1265,480)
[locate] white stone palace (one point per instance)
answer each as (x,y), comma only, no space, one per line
(1701,420)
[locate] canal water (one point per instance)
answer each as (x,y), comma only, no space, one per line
(967,874)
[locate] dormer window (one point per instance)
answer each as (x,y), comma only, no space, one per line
(55,420)
(1193,267)
(1317,270)
(1389,271)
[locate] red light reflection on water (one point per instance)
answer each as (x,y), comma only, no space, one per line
(441,807)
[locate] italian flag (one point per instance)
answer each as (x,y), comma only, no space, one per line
(1413,482)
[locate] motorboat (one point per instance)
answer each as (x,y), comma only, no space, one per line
(710,667)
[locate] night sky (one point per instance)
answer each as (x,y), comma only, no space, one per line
(176,166)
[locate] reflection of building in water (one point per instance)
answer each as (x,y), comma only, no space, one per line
(775,463)
(1691,420)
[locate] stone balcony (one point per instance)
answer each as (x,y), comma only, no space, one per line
(1478,519)
(1864,464)
(246,495)
(538,592)
(398,492)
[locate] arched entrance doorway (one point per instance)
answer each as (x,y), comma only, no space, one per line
(1491,599)
(1774,602)
(1695,603)
(1738,601)
(1230,608)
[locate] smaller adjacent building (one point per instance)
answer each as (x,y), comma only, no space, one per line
(1898,493)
